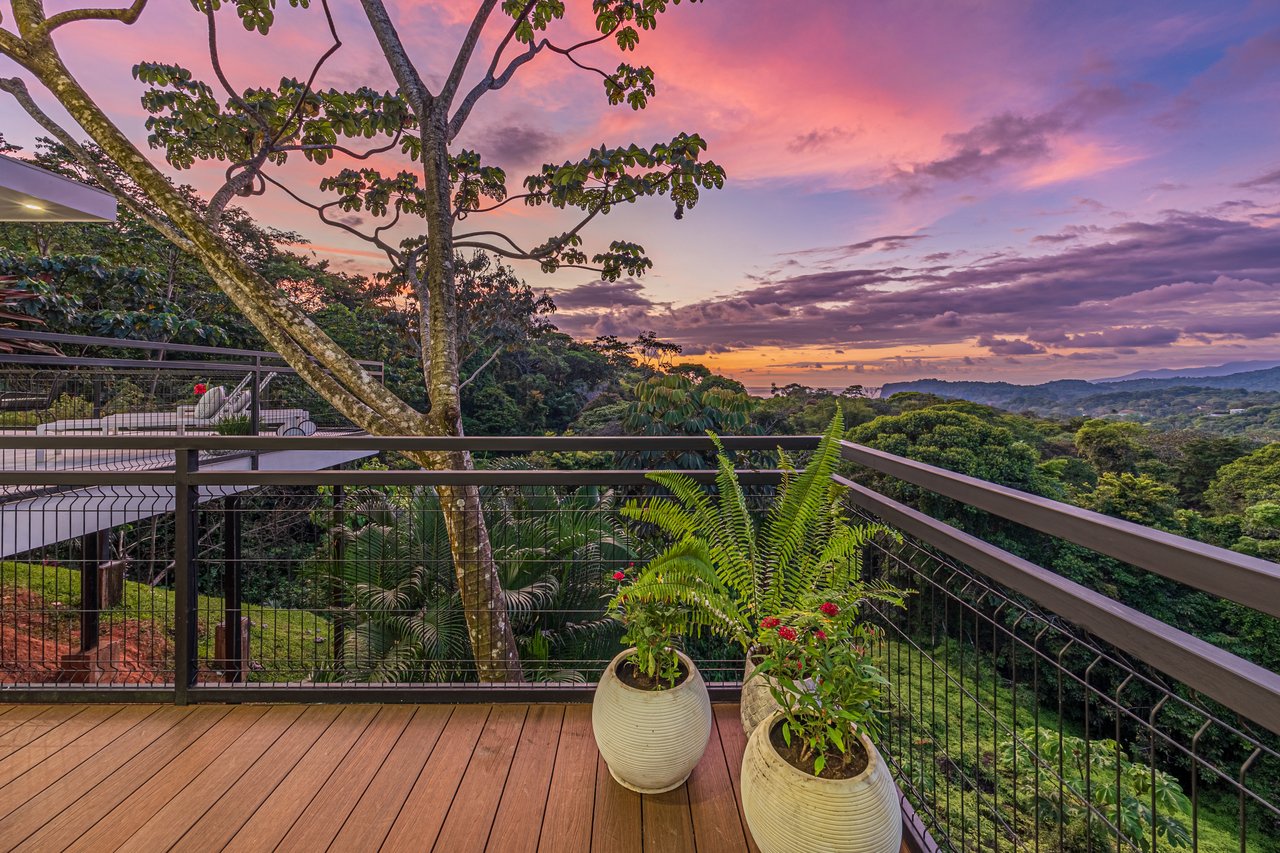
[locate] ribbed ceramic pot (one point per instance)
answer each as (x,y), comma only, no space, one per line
(789,811)
(651,739)
(756,701)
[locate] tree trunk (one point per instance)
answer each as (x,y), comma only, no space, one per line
(493,642)
(331,371)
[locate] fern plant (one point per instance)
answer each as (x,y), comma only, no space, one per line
(731,569)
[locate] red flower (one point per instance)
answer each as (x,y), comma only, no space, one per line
(786,632)
(200,388)
(829,609)
(821,635)
(619,576)
(770,622)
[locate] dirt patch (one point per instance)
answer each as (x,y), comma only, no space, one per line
(839,765)
(633,677)
(36,635)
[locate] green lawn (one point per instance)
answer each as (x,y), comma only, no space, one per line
(289,645)
(949,749)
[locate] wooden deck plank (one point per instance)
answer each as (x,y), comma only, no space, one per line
(276,816)
(352,778)
(617,825)
(466,826)
(12,718)
(37,796)
(734,742)
(50,740)
(62,831)
(717,825)
(372,818)
(187,806)
(518,822)
(225,817)
(425,809)
(322,820)
(566,824)
(112,829)
(53,780)
(667,823)
(39,725)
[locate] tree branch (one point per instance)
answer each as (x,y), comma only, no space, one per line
(489,84)
(16,87)
(506,40)
(11,45)
(488,361)
(354,155)
(524,254)
(315,71)
(465,51)
(124,16)
(397,57)
(216,61)
(320,209)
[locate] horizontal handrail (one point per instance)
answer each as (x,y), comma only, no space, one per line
(407,443)
(65,362)
(1240,685)
(479,477)
(127,343)
(1246,580)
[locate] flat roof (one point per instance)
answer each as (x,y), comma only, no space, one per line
(31,194)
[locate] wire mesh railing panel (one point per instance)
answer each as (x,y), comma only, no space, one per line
(346,586)
(1012,730)
(91,602)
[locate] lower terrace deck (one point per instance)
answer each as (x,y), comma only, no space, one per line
(346,778)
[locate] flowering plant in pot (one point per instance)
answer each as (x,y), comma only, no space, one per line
(813,762)
(651,713)
(733,568)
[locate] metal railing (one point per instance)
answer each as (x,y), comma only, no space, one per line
(1024,705)
(111,385)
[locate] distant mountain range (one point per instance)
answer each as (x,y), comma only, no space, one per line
(1227,369)
(1075,393)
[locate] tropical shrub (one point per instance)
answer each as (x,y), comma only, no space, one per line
(1073,781)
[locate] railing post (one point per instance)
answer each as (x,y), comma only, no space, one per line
(232,636)
(339,547)
(255,406)
(186,509)
(92,547)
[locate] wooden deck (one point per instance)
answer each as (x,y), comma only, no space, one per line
(346,778)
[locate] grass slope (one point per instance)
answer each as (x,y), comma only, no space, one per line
(290,644)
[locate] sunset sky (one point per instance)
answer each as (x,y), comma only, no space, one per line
(968,189)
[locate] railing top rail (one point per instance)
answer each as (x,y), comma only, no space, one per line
(239,478)
(1244,687)
(161,346)
(509,443)
(1246,580)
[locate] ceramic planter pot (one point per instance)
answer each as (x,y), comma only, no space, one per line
(789,810)
(651,739)
(756,701)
